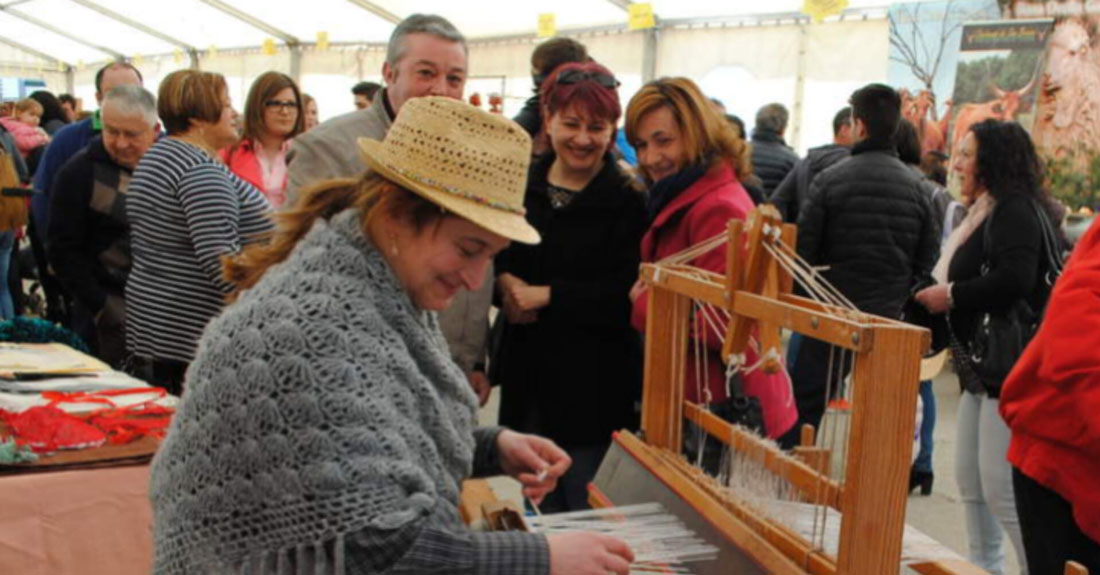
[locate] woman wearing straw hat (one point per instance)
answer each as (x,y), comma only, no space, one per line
(326,429)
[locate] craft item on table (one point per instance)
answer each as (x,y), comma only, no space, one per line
(46,429)
(22,360)
(13,453)
(32,329)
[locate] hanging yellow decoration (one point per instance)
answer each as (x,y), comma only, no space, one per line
(322,41)
(137,60)
(61,66)
(269,46)
(548,25)
(212,52)
(819,10)
(80,64)
(641,16)
(177,56)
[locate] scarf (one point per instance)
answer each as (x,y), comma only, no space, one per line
(977,214)
(321,403)
(667,189)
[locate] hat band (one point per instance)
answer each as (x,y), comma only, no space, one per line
(495,204)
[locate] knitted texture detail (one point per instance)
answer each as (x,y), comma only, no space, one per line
(321,403)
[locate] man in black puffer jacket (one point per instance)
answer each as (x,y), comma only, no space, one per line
(869,221)
(772,158)
(795,188)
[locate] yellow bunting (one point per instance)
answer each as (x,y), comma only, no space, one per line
(548,25)
(818,10)
(137,60)
(61,67)
(269,46)
(177,56)
(80,64)
(641,16)
(322,40)
(212,52)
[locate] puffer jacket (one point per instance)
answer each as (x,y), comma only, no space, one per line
(870,221)
(772,159)
(795,188)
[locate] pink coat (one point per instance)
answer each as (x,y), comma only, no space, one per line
(27,138)
(698,213)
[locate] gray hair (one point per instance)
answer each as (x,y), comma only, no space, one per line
(437,26)
(773,118)
(132,101)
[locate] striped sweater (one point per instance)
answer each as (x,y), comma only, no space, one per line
(186,210)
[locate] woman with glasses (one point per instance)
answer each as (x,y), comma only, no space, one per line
(569,364)
(695,163)
(186,211)
(273,115)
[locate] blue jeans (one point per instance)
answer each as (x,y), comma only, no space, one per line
(928,423)
(7,242)
(985,483)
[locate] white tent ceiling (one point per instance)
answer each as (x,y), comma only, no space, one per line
(76,31)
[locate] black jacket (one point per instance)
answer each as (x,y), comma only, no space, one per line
(792,192)
(87,239)
(871,222)
(772,159)
(1017,267)
(575,374)
(530,117)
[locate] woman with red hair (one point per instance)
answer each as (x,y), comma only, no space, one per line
(569,364)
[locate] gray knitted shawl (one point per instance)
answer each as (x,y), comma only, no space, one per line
(319,404)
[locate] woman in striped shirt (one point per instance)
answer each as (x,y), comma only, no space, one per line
(186,211)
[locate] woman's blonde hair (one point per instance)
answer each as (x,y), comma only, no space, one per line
(371,194)
(707,135)
(28,105)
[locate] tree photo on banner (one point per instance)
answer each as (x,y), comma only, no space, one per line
(924,51)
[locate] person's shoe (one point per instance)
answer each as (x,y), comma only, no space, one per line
(922,479)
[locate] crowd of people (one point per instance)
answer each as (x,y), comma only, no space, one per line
(320,295)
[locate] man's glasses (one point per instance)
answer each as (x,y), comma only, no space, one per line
(283,105)
(577,76)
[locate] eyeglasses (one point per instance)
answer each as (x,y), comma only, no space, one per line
(577,76)
(283,105)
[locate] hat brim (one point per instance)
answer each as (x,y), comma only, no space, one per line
(931,366)
(510,225)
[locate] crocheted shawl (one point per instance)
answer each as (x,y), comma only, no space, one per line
(321,403)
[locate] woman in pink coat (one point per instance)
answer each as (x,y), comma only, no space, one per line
(694,163)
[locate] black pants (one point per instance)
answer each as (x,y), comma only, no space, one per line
(572,491)
(166,373)
(1051,536)
(810,377)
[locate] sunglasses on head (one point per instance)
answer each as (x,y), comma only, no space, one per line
(577,76)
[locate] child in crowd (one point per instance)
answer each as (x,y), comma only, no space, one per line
(23,125)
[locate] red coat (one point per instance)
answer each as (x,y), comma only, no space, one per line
(1051,400)
(242,160)
(699,213)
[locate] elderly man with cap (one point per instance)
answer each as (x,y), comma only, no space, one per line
(426,56)
(326,429)
(88,239)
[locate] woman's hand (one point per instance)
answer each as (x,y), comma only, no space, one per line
(506,284)
(536,462)
(480,382)
(934,298)
(637,290)
(580,553)
(530,298)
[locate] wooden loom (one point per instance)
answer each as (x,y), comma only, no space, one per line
(757,294)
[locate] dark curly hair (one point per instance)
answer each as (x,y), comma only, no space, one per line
(1007,163)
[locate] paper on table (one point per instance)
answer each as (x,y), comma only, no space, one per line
(46,358)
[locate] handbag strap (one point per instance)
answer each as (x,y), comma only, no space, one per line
(1048,238)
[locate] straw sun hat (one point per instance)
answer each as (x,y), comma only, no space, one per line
(466,160)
